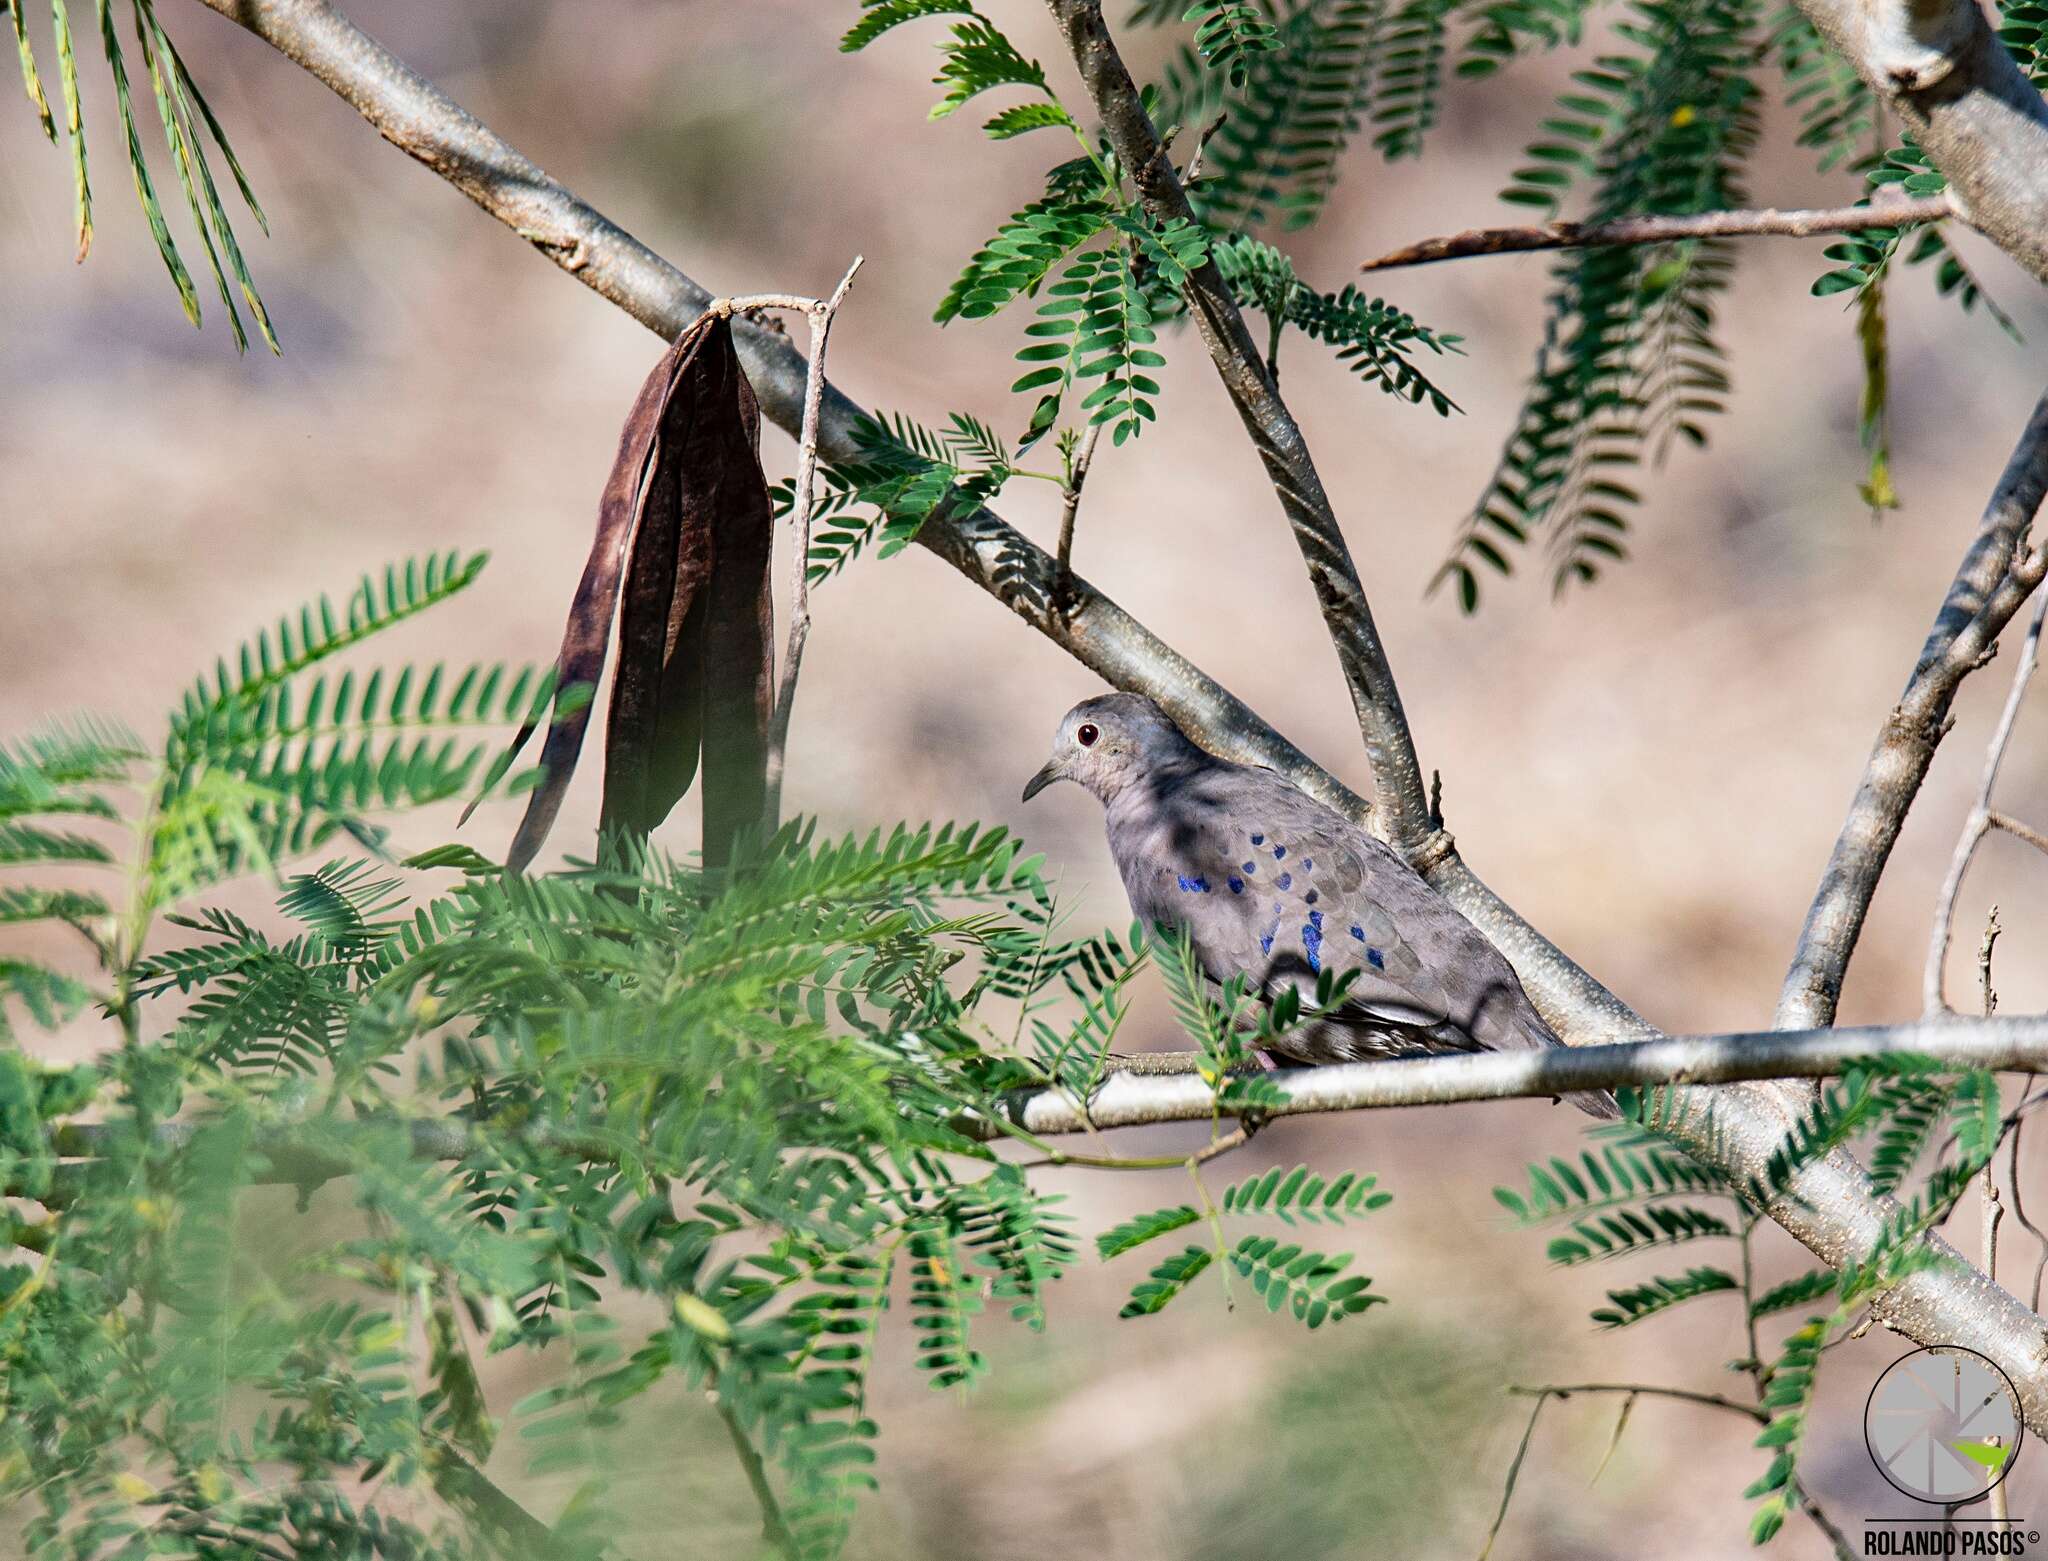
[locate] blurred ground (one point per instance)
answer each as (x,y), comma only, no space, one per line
(1653,770)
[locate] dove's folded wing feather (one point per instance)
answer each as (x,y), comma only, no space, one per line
(1271,884)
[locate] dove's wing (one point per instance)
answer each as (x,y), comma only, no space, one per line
(1272,884)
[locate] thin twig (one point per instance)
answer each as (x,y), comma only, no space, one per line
(1996,577)
(1628,1406)
(1770,222)
(1643,1390)
(517,1533)
(1753,1363)
(1070,498)
(1984,947)
(1991,1211)
(820,313)
(1980,819)
(1507,1493)
(1844,1551)
(774,1531)
(756,303)
(2019,1207)
(1193,170)
(1635,1390)
(1214,1217)
(2015,828)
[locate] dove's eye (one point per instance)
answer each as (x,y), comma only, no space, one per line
(1086,733)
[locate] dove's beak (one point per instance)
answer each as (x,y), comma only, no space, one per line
(1043,779)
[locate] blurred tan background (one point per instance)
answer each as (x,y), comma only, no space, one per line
(1653,770)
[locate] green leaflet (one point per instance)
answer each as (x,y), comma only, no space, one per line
(1637,1302)
(1371,337)
(1228,33)
(187,123)
(1629,362)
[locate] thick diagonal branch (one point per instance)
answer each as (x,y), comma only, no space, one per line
(1997,575)
(1624,231)
(1400,800)
(1831,1211)
(1939,66)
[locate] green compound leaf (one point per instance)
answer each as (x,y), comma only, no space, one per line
(1168,1280)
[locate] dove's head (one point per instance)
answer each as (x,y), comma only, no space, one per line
(1110,741)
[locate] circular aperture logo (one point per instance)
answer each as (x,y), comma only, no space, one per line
(1943,1425)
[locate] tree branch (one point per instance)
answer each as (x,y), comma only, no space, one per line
(1400,800)
(820,312)
(1070,496)
(516,1532)
(1752,1412)
(1127,1099)
(2020,832)
(1136,1100)
(1565,1390)
(1934,998)
(774,1531)
(1664,230)
(1996,577)
(1830,1210)
(1940,67)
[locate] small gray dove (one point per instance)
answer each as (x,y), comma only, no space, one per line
(1273,885)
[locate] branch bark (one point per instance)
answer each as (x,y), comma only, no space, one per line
(1665,230)
(1070,496)
(1940,67)
(820,312)
(1997,575)
(1143,1099)
(1934,997)
(1832,1212)
(1137,1100)
(1400,798)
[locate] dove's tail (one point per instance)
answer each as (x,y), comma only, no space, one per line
(1594,1102)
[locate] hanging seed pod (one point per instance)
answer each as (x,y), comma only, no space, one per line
(685,528)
